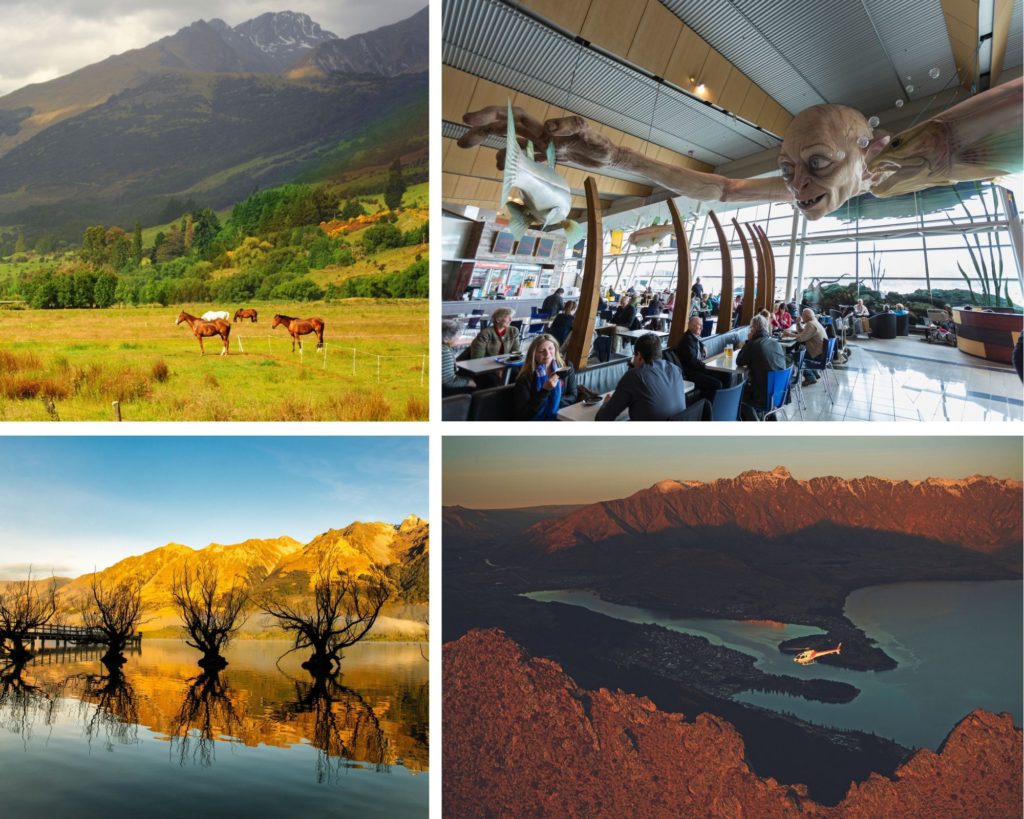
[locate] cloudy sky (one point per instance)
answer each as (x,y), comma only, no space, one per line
(77,503)
(517,471)
(43,40)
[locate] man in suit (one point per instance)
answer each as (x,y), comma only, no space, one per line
(652,390)
(691,353)
(761,354)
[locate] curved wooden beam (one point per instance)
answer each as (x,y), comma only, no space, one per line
(578,350)
(747,310)
(681,310)
(725,302)
(762,281)
(769,258)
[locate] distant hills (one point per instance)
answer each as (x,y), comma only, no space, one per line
(281,564)
(209,113)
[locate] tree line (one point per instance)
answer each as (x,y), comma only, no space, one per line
(338,611)
(272,240)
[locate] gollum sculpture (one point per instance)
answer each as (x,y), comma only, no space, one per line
(829,153)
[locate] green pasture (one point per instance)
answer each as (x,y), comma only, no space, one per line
(70,365)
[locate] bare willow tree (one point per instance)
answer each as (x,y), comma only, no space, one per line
(115,610)
(211,617)
(340,611)
(25,605)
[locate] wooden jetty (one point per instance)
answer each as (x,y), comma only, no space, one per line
(61,635)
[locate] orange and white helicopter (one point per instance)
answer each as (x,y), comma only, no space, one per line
(809,655)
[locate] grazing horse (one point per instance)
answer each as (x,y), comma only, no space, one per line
(245,313)
(204,329)
(300,327)
(215,315)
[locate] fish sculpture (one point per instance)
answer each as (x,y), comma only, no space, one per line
(649,236)
(979,138)
(542,196)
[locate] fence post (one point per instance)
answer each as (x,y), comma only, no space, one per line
(117,410)
(423,368)
(378,369)
(268,346)
(240,347)
(353,361)
(325,355)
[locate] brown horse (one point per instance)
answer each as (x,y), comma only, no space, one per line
(300,327)
(245,313)
(204,329)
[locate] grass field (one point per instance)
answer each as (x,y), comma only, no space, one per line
(75,363)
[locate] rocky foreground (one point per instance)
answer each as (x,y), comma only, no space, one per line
(522,739)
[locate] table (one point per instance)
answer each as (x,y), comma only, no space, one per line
(581,412)
(635,334)
(490,364)
(717,363)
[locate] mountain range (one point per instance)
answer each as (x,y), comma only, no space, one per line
(280,564)
(209,113)
(977,513)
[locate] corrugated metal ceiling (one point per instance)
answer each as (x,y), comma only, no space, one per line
(805,52)
(490,39)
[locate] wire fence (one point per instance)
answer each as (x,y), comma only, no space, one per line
(340,356)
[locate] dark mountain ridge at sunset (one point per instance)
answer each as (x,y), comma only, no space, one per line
(979,513)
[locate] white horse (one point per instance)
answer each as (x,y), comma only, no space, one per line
(212,315)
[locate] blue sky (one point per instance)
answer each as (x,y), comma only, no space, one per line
(511,472)
(69,504)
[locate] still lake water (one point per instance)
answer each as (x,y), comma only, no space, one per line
(253,741)
(958,646)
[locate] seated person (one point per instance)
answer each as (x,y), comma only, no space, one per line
(562,324)
(497,339)
(759,355)
(626,314)
(781,319)
(860,318)
(691,353)
(539,391)
(554,303)
(451,382)
(812,335)
(652,390)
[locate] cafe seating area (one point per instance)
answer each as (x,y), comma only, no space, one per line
(897,378)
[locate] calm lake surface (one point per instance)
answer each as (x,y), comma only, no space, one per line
(252,741)
(958,646)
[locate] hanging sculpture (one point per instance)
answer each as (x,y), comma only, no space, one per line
(829,153)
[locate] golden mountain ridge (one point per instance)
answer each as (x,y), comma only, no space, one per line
(282,563)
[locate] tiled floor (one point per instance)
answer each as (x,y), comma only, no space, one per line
(907,379)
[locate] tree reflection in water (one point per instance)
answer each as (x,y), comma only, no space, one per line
(207,714)
(22,704)
(345,727)
(113,715)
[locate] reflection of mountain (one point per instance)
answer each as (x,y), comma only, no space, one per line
(523,738)
(284,564)
(383,688)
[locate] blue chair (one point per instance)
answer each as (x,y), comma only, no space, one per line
(603,348)
(476,312)
(535,328)
(823,366)
(473,323)
(726,406)
(707,327)
(518,324)
(778,388)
